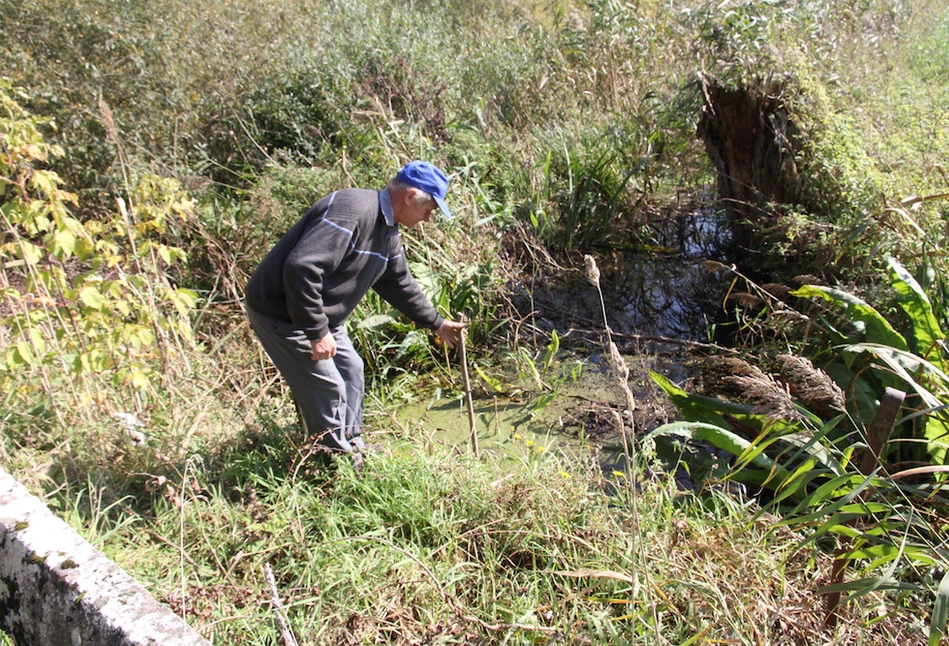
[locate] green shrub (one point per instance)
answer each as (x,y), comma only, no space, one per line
(87,304)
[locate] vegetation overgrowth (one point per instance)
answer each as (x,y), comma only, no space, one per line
(150,153)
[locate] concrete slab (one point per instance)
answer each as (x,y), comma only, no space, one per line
(56,589)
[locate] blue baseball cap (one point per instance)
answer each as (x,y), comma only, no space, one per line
(429,178)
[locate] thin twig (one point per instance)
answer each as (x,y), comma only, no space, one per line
(285,632)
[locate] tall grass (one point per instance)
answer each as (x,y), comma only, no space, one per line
(429,546)
(577,115)
(854,457)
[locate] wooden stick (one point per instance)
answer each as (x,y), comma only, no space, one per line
(877,435)
(467,382)
(282,620)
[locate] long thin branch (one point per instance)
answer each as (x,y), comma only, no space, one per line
(281,614)
(472,426)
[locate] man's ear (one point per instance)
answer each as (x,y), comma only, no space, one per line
(411,195)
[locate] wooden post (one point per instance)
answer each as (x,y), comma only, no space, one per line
(877,434)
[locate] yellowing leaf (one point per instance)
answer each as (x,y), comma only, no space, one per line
(44,182)
(24,352)
(38,341)
(139,379)
(31,253)
(185,329)
(183,299)
(63,244)
(91,297)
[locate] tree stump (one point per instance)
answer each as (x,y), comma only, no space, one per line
(750,139)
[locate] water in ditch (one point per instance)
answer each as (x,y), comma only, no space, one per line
(661,301)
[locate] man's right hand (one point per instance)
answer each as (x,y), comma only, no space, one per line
(324,349)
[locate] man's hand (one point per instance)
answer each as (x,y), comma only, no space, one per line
(323,349)
(450,333)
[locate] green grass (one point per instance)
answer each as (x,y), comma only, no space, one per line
(433,545)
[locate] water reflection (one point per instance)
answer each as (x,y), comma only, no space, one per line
(653,290)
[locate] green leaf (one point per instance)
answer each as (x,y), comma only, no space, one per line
(92,298)
(45,182)
(844,484)
(176,254)
(937,432)
(907,366)
(184,328)
(552,348)
(860,587)
(543,401)
(796,482)
(723,439)
(915,303)
(183,299)
(91,362)
(886,553)
(85,247)
(39,343)
(139,379)
(861,388)
(411,344)
(866,508)
(427,280)
(30,252)
(25,354)
(937,626)
(531,368)
(695,408)
(495,384)
(63,244)
(860,314)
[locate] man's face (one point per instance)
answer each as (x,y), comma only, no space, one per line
(409,212)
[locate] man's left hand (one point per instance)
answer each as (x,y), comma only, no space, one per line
(450,333)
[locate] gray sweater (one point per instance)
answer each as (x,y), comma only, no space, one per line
(321,268)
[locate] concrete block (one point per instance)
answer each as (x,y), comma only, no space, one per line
(56,589)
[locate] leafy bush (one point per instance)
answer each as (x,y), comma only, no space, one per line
(835,470)
(86,304)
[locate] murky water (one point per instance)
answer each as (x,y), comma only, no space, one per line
(658,298)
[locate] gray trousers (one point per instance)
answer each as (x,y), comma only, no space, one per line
(328,393)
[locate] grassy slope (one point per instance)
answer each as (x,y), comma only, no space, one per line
(430,546)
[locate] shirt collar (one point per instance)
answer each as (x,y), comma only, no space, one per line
(385,202)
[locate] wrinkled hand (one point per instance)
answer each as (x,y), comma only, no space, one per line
(450,333)
(323,349)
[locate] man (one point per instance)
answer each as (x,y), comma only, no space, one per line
(301,294)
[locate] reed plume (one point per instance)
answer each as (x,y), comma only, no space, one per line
(621,375)
(812,386)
